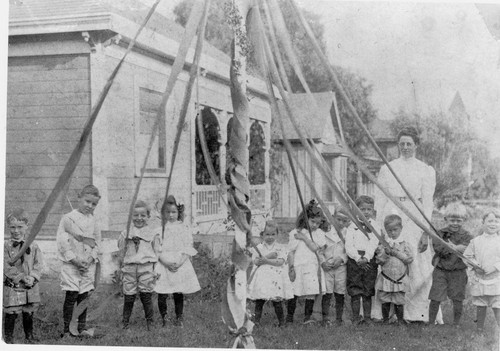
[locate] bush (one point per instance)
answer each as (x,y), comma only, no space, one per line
(212,273)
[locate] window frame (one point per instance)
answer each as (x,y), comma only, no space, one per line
(146,84)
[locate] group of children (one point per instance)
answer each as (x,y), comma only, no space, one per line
(154,259)
(317,261)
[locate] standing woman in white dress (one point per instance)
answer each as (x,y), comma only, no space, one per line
(420,180)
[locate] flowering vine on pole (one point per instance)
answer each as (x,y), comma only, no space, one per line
(234,311)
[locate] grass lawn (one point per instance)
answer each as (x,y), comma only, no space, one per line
(203,328)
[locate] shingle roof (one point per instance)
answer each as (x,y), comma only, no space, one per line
(74,11)
(313,124)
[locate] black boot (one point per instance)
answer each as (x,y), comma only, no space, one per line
(162,307)
(367,308)
(147,304)
(339,307)
(386,309)
(128,306)
(8,328)
(433,311)
(278,309)
(259,305)
(458,307)
(290,309)
(325,308)
(356,307)
(28,327)
(82,319)
(308,310)
(179,309)
(400,312)
(69,305)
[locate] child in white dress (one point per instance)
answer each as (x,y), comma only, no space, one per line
(484,250)
(304,260)
(177,275)
(269,278)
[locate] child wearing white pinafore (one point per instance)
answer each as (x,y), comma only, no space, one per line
(177,275)
(269,278)
(304,260)
(484,251)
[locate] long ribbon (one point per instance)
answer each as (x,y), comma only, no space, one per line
(351,108)
(194,74)
(305,143)
(78,150)
(177,67)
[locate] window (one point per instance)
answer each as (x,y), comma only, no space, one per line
(328,195)
(149,105)
(211,131)
(256,154)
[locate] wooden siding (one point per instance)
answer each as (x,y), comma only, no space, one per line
(48,102)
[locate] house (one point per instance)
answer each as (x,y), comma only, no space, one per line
(385,137)
(317,126)
(61,53)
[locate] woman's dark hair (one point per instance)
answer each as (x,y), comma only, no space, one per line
(410,132)
(313,211)
(172,202)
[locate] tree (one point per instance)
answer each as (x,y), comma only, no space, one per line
(220,35)
(458,155)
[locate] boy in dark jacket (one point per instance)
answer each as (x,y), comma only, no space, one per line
(449,278)
(21,294)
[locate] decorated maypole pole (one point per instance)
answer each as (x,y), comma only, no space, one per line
(234,311)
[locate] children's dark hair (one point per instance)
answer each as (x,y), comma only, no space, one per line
(313,211)
(410,132)
(17,214)
(393,218)
(365,199)
(172,202)
(143,204)
(90,190)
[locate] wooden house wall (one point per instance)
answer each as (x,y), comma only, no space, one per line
(48,102)
(289,203)
(119,160)
(115,167)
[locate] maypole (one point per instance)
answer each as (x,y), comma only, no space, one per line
(234,302)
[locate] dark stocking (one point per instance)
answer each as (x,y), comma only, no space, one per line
(339,306)
(290,309)
(8,328)
(433,310)
(128,306)
(278,309)
(68,306)
(355,306)
(259,305)
(325,305)
(458,307)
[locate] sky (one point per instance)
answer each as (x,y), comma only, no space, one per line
(417,56)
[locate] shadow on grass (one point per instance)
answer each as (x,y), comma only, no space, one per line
(203,328)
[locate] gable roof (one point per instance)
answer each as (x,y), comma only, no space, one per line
(57,16)
(315,125)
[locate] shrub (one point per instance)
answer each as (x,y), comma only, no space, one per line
(212,273)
